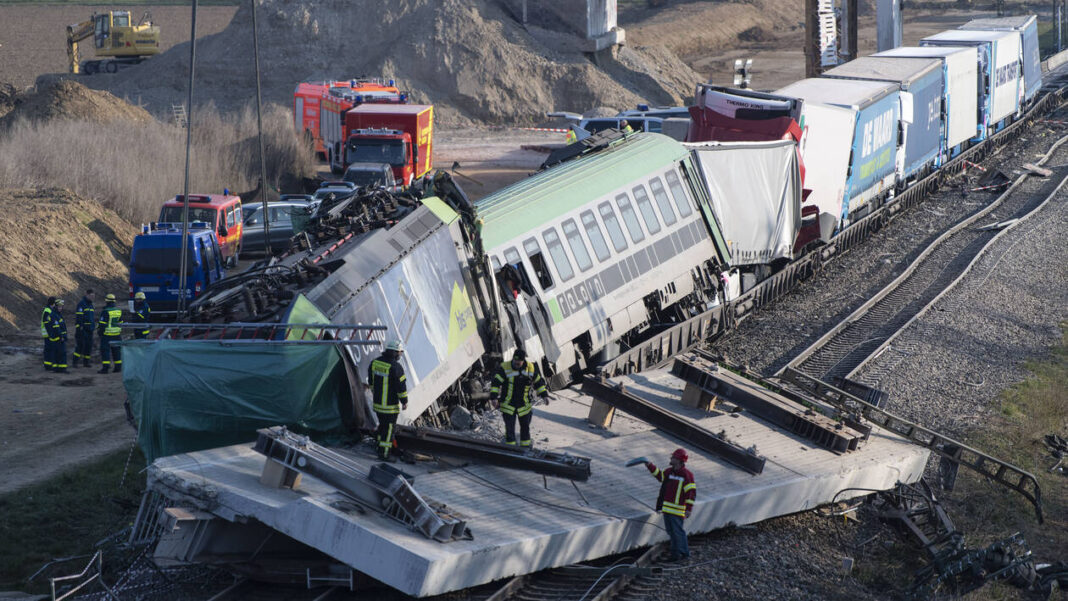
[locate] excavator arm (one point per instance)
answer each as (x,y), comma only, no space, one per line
(76,33)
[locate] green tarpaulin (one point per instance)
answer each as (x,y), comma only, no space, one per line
(190,395)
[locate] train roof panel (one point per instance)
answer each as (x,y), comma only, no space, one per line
(852,93)
(536,200)
(927,51)
(884,68)
(966,35)
(1015,23)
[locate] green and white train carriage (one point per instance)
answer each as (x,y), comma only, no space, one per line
(603,246)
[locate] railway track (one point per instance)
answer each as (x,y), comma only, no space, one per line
(864,334)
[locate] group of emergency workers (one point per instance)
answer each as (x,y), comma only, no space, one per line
(513,389)
(108,329)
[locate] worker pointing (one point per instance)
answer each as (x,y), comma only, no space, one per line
(389,389)
(677,494)
(519,380)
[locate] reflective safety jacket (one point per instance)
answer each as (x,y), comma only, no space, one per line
(519,388)
(57,326)
(143,315)
(677,490)
(85,315)
(46,318)
(110,322)
(389,385)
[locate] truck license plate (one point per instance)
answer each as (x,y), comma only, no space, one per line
(149,288)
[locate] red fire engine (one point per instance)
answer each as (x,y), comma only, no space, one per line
(319,105)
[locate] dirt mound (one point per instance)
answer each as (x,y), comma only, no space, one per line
(55,243)
(66,99)
(469,58)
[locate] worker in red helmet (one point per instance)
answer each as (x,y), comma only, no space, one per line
(677,494)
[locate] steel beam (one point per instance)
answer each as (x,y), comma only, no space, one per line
(1003,473)
(494,453)
(616,396)
(820,429)
(384,489)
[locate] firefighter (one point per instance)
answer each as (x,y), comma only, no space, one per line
(677,494)
(389,388)
(520,380)
(46,318)
(571,136)
(625,127)
(84,322)
(110,329)
(142,315)
(57,337)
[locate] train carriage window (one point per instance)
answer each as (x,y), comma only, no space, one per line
(556,251)
(630,218)
(593,231)
(677,191)
(537,262)
(511,256)
(646,207)
(657,188)
(577,244)
(615,232)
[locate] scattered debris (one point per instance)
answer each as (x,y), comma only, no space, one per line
(1058,448)
(999,225)
(1042,171)
(992,180)
(460,418)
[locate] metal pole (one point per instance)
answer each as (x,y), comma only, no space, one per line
(183,266)
(259,126)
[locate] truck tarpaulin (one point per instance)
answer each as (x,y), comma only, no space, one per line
(422,299)
(188,395)
(761,222)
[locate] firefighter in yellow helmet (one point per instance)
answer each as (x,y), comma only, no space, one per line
(110,329)
(389,389)
(142,315)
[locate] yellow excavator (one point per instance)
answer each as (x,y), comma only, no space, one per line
(116,40)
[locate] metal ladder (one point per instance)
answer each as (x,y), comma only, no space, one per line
(262,333)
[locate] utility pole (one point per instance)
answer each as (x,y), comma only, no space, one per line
(183,263)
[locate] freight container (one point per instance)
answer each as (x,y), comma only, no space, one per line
(1027,27)
(850,142)
(922,84)
(999,64)
(960,100)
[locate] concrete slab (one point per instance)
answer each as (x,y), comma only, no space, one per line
(523,522)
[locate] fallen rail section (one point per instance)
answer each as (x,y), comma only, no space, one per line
(683,429)
(384,489)
(1001,472)
(805,422)
(547,463)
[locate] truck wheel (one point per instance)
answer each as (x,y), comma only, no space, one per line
(111,67)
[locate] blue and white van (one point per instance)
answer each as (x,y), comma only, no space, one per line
(155,264)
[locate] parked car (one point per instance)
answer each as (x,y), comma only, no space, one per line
(371,175)
(281,215)
(340,190)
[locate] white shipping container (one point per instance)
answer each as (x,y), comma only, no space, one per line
(962,67)
(825,148)
(1004,73)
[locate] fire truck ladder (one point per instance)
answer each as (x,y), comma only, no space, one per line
(1001,472)
(262,333)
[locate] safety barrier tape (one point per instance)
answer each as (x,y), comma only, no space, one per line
(561,130)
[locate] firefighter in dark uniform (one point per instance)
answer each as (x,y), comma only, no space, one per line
(57,337)
(84,324)
(46,318)
(142,315)
(110,329)
(389,388)
(516,383)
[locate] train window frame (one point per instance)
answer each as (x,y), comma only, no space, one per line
(645,206)
(678,192)
(596,236)
(538,265)
(507,256)
(577,244)
(555,246)
(630,217)
(615,230)
(662,201)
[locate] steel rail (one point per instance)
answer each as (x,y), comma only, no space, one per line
(841,350)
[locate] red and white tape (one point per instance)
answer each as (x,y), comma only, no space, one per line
(559,130)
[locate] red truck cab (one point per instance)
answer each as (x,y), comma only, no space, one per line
(400,135)
(319,106)
(221,211)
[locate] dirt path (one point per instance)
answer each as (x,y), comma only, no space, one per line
(51,422)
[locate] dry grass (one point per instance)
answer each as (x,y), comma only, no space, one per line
(132,168)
